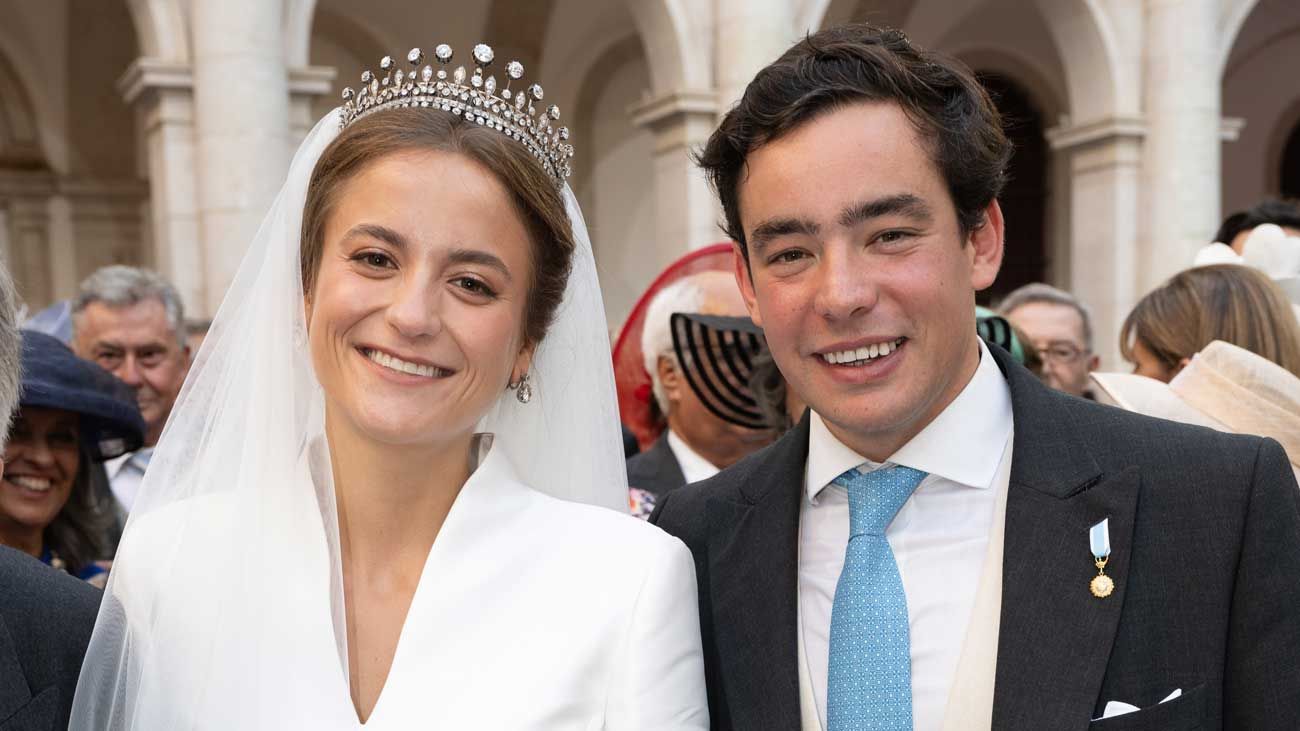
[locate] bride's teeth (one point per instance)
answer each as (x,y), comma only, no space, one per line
(402,366)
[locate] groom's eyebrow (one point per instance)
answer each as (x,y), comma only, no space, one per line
(774,228)
(903,204)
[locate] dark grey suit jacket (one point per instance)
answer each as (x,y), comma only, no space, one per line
(1205,537)
(45,621)
(656,470)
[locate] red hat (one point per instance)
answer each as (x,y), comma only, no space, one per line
(634,389)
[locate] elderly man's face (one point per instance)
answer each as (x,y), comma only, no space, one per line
(1056,332)
(137,344)
(717,440)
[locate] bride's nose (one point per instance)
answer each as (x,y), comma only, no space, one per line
(414,311)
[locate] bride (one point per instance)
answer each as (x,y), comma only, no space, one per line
(388,496)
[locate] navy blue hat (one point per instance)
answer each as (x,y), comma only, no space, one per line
(55,378)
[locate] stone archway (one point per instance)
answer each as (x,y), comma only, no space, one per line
(161,29)
(828,13)
(1289,165)
(20,146)
(619,208)
(26,184)
(1026,199)
(1261,113)
(678,59)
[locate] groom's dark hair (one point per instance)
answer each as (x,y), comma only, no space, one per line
(825,71)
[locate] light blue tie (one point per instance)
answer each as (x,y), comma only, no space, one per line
(869,680)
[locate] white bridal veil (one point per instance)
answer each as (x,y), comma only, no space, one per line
(228,573)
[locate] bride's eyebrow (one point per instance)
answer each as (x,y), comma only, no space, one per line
(482,258)
(375,231)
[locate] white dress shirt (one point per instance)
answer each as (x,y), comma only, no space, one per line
(694,467)
(939,537)
(125,474)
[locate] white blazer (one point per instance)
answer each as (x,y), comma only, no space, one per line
(531,613)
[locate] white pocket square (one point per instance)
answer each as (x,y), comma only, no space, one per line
(1119,708)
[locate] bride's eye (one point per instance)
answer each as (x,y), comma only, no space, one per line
(374,259)
(474,286)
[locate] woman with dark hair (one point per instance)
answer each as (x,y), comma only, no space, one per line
(72,414)
(396,455)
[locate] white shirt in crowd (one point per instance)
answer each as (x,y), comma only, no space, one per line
(694,466)
(125,474)
(939,536)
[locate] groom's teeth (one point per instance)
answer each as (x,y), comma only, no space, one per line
(867,352)
(397,364)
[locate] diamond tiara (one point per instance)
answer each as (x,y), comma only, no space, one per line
(473,96)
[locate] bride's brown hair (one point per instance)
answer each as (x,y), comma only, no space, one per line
(537,198)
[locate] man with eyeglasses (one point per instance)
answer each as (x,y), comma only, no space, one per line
(1059,327)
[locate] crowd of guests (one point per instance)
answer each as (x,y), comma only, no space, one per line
(89,413)
(92,408)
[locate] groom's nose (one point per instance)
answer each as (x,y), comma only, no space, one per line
(843,288)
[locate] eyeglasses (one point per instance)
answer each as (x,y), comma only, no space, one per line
(1061,352)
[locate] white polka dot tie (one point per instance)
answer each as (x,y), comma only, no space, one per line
(869,679)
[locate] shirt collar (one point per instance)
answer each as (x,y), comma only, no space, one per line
(694,467)
(115,465)
(963,444)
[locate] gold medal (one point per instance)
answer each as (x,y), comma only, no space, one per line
(1099,540)
(1101,585)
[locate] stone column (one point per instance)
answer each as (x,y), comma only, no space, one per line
(162,95)
(29,250)
(685,209)
(63,242)
(306,85)
(750,35)
(1180,162)
(5,246)
(241,118)
(1104,162)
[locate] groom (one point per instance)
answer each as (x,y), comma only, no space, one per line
(943,542)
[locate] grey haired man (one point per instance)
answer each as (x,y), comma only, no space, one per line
(131,322)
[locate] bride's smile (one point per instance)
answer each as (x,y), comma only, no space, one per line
(409,365)
(415,318)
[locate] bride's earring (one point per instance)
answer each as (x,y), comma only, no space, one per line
(523,389)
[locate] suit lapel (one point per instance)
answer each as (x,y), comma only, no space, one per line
(14,693)
(753,559)
(1055,636)
(657,469)
(668,471)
